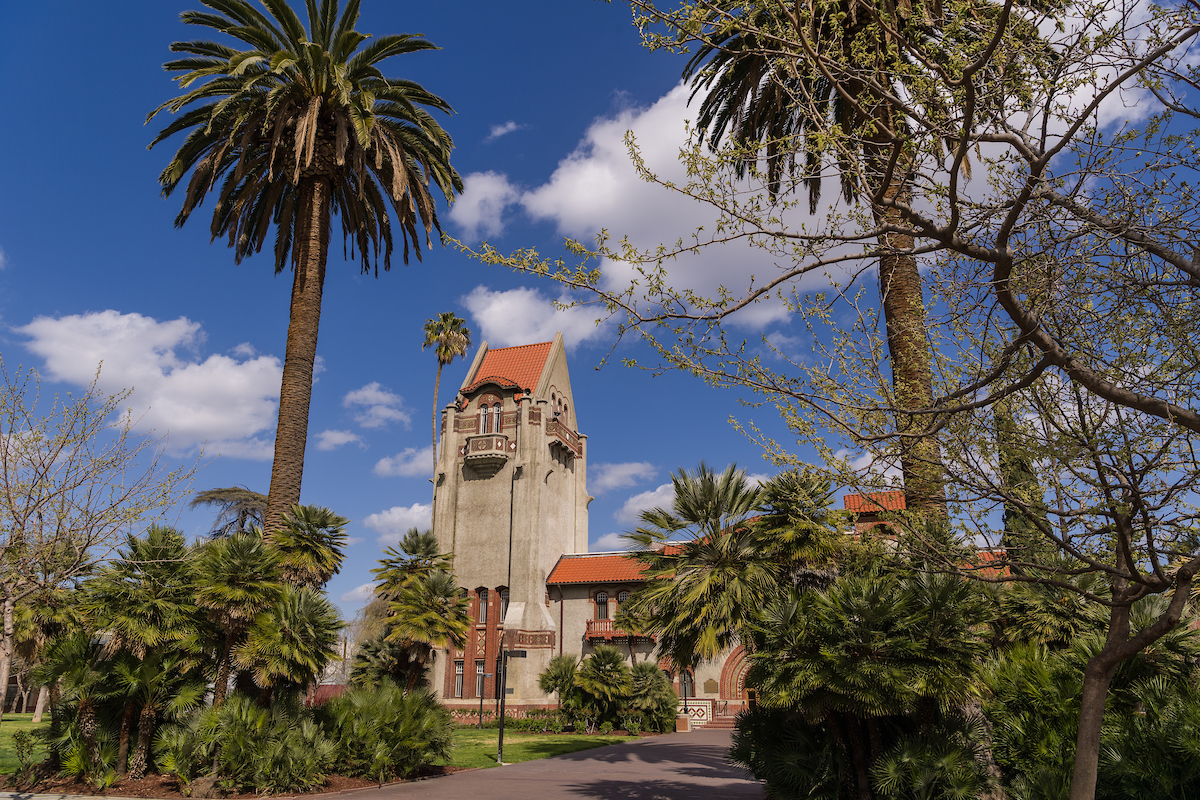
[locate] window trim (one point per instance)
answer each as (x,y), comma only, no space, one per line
(458,678)
(601,606)
(481,610)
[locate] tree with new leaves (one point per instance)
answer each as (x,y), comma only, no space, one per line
(450,338)
(74,480)
(297,126)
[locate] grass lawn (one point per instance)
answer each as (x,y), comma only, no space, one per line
(10,725)
(477,748)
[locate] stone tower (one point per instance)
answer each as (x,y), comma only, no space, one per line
(510,498)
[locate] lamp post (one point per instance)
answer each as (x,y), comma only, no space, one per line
(504,691)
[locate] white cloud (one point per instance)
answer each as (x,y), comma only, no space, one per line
(244,350)
(630,513)
(391,525)
(606,477)
(379,406)
(520,316)
(611,541)
(3,259)
(410,463)
(502,130)
(359,594)
(479,210)
(874,466)
(331,440)
(229,403)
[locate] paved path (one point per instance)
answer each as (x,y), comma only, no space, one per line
(678,766)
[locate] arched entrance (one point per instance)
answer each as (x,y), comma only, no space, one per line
(733,678)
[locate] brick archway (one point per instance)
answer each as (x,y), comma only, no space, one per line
(733,675)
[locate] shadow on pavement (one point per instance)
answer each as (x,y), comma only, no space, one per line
(662,790)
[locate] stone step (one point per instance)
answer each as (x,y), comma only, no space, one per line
(722,723)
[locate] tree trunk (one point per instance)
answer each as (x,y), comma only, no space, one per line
(310,248)
(40,707)
(221,686)
(437,383)
(124,737)
(146,722)
(6,647)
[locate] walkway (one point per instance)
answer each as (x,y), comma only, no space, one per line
(678,766)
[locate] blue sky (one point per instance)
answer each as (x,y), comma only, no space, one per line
(92,268)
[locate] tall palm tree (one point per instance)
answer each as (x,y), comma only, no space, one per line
(450,338)
(298,126)
(237,579)
(784,106)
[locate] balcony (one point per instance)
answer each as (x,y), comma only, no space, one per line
(565,437)
(603,630)
(486,454)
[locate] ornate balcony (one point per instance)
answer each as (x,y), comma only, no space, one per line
(487,453)
(603,630)
(565,437)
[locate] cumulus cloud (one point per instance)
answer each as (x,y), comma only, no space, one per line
(331,440)
(392,524)
(606,477)
(377,406)
(229,403)
(409,463)
(630,512)
(479,210)
(610,541)
(520,316)
(359,594)
(502,130)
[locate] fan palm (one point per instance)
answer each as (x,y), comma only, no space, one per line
(559,677)
(427,615)
(785,105)
(450,338)
(292,642)
(310,545)
(158,685)
(604,678)
(301,125)
(417,556)
(237,579)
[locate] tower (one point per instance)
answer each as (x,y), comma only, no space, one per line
(510,497)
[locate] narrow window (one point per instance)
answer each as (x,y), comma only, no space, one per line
(483,604)
(503,605)
(601,605)
(487,419)
(685,684)
(479,679)
(496,415)
(458,678)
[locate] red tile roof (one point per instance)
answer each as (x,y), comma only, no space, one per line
(519,366)
(874,502)
(596,568)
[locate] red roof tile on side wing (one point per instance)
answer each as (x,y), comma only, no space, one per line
(875,502)
(596,568)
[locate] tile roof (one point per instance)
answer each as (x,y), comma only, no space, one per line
(874,502)
(596,568)
(519,366)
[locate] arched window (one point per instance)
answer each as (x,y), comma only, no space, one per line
(601,605)
(622,598)
(487,419)
(503,604)
(483,604)
(496,416)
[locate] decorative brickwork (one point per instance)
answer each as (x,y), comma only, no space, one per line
(535,640)
(466,423)
(565,435)
(535,416)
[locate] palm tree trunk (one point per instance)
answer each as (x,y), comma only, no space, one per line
(437,383)
(146,723)
(221,685)
(310,249)
(124,737)
(903,305)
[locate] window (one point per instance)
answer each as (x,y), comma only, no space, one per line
(503,604)
(479,676)
(458,678)
(686,687)
(496,417)
(622,598)
(601,605)
(483,604)
(487,419)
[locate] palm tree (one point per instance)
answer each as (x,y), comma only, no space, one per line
(310,545)
(604,679)
(158,685)
(291,643)
(416,558)
(237,579)
(429,614)
(301,125)
(240,509)
(784,107)
(450,339)
(559,677)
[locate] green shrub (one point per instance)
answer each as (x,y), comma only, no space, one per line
(381,732)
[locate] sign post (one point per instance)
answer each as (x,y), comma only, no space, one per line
(503,692)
